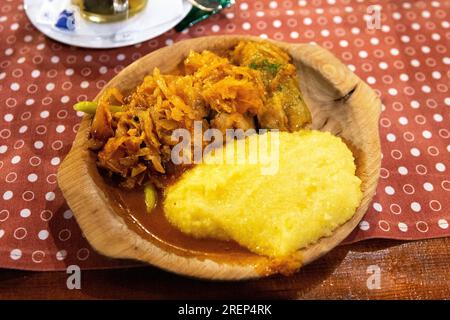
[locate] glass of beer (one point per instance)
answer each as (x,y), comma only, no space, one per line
(101,11)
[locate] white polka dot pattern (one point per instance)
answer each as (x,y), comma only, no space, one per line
(405,61)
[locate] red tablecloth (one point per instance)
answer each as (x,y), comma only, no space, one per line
(406,61)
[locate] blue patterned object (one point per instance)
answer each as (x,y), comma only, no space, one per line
(66,20)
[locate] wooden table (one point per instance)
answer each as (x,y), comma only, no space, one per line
(407,270)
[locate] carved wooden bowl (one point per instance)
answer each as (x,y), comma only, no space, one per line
(340,103)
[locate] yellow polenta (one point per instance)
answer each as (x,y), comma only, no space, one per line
(314,191)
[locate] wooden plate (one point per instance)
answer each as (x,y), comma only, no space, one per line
(339,101)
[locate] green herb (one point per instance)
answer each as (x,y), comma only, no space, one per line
(90,107)
(150,197)
(266,66)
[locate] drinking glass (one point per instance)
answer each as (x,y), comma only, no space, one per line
(103,11)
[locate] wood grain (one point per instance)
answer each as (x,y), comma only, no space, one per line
(339,102)
(409,270)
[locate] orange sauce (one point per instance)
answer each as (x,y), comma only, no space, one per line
(154,227)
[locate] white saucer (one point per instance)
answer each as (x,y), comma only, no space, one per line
(158,17)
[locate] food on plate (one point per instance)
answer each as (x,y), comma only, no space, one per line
(313,191)
(284,108)
(252,86)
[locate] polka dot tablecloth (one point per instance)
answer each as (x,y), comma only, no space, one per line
(405,59)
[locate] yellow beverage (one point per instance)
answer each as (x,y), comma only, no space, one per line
(102,11)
